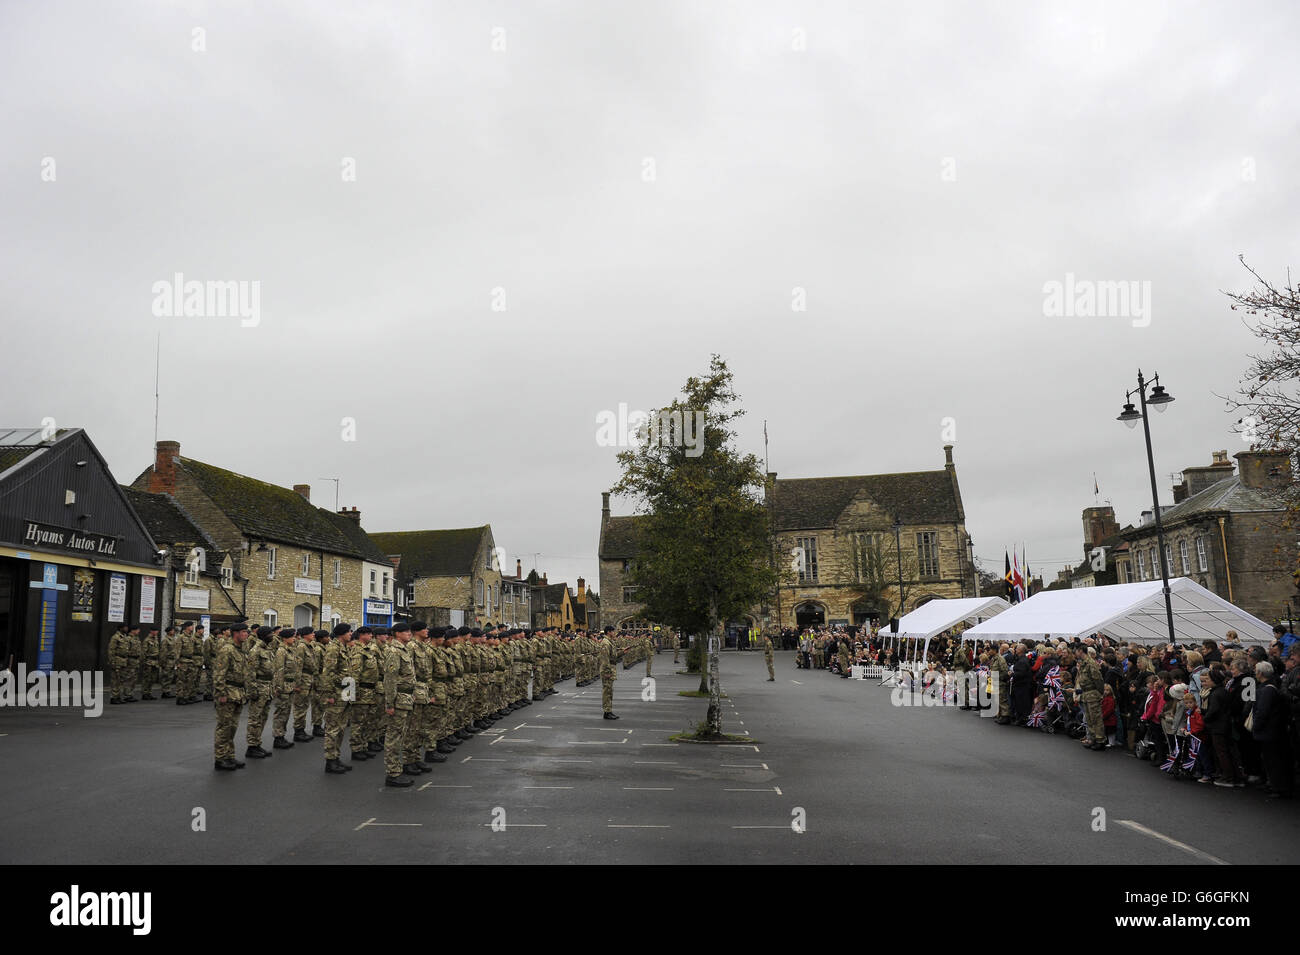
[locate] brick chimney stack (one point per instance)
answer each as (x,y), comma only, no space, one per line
(581,589)
(348,512)
(544,582)
(1198,479)
(519,568)
(1265,470)
(304,490)
(163,478)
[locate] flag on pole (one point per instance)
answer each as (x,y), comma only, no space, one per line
(1029,578)
(1017,581)
(1011,580)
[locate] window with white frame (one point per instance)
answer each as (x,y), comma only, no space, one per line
(306,565)
(227,576)
(1201,561)
(1142,566)
(338,572)
(270,565)
(335,619)
(478,592)
(1169,558)
(927,553)
(373,586)
(385,591)
(410,593)
(807,557)
(1121,569)
(269,618)
(1183,558)
(1155,563)
(192,572)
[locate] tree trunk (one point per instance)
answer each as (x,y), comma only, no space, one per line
(714,685)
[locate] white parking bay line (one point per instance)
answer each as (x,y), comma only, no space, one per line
(442,786)
(558,759)
(670,744)
(648,789)
(518,825)
(743,766)
(637,827)
(654,762)
(483,759)
(796,683)
(548,787)
(761,827)
(774,789)
(1138,827)
(371,822)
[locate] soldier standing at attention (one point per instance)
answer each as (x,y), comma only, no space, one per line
(117,664)
(650,651)
(169,659)
(208,656)
(258,681)
(149,663)
(228,674)
(364,667)
(186,665)
(961,663)
(418,728)
(378,718)
(1001,676)
(399,686)
(437,727)
(333,674)
(609,655)
(284,685)
(767,657)
(304,666)
(319,647)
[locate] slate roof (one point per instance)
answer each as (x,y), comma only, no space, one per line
(444,553)
(555,594)
(1228,495)
(618,539)
(917,497)
(267,511)
(166,520)
(364,543)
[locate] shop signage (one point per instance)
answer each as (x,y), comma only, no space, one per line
(36,534)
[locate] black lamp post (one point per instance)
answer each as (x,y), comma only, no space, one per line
(898,549)
(1130,416)
(974,574)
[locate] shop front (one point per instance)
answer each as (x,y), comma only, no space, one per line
(378,613)
(75,559)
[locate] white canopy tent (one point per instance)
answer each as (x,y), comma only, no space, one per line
(936,616)
(1127,613)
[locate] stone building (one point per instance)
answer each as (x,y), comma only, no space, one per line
(378,582)
(449,577)
(516,599)
(834,542)
(293,563)
(835,545)
(553,604)
(1229,529)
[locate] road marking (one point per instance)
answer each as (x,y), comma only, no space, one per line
(637,827)
(521,726)
(371,822)
(664,744)
(561,760)
(760,827)
(548,787)
(517,825)
(611,729)
(441,786)
(533,726)
(796,683)
(743,766)
(654,762)
(648,789)
(511,739)
(1138,827)
(772,790)
(483,759)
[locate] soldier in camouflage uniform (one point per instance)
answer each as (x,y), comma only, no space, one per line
(1089,685)
(259,677)
(149,655)
(649,649)
(418,728)
(304,665)
(284,685)
(333,682)
(207,657)
(436,747)
(768,658)
(117,664)
(1001,676)
(187,650)
(399,686)
(378,717)
(609,655)
(169,660)
(319,646)
(228,678)
(364,666)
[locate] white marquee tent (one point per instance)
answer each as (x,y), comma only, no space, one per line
(1132,613)
(936,616)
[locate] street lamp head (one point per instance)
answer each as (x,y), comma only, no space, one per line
(1159,398)
(1130,415)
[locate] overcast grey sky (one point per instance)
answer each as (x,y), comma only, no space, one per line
(640,185)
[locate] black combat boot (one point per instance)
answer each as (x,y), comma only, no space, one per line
(335,766)
(610,716)
(444,747)
(359,756)
(433,756)
(168,696)
(318,731)
(208,697)
(300,737)
(482,724)
(225,764)
(256,752)
(410,769)
(282,743)
(399,781)
(375,746)
(462,734)
(146,696)
(114,700)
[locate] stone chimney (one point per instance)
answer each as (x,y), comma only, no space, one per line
(947,454)
(581,589)
(1267,470)
(163,478)
(544,581)
(604,505)
(346,512)
(1198,479)
(519,568)
(1180,492)
(304,490)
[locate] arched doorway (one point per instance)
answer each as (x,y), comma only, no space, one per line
(809,614)
(304,615)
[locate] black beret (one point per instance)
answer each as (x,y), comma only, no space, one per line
(463,632)
(320,634)
(418,625)
(476,632)
(262,632)
(238,627)
(341,629)
(401,628)
(287,632)
(364,630)
(303,631)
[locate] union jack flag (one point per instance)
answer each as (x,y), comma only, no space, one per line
(1171,762)
(1193,748)
(1055,700)
(1053,678)
(1036,718)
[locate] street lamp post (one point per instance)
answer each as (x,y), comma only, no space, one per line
(898,550)
(1159,400)
(974,574)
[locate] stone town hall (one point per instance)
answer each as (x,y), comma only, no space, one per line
(834,540)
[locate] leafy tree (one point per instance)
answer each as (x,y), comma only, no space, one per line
(703,550)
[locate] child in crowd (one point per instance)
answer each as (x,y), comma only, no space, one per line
(1108,714)
(1038,715)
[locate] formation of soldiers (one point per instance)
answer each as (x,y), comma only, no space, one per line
(408,693)
(179,663)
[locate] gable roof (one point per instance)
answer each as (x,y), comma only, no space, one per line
(917,497)
(167,521)
(443,553)
(363,542)
(555,594)
(268,511)
(1229,495)
(619,537)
